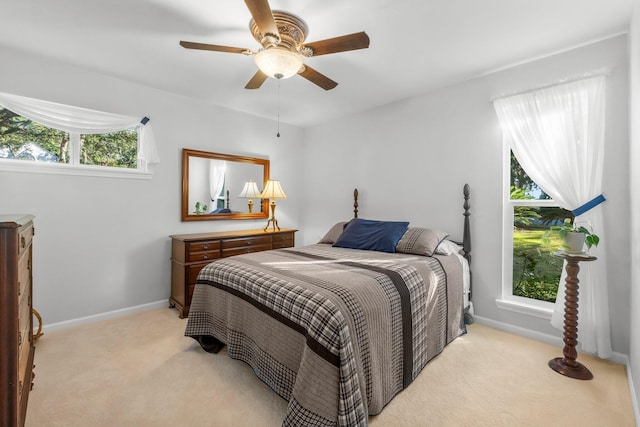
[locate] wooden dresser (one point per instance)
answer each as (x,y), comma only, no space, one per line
(191,252)
(16,324)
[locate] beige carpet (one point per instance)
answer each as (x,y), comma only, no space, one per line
(140,370)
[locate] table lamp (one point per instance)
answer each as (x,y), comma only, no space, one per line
(250,191)
(273,190)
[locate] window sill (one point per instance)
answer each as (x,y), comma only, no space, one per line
(64,169)
(542,310)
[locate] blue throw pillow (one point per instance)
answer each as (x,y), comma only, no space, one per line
(372,235)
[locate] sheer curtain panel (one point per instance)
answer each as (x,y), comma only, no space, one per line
(217,171)
(83,121)
(557,135)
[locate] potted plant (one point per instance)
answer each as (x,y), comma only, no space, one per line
(574,237)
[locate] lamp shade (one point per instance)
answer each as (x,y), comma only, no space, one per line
(250,190)
(278,63)
(273,190)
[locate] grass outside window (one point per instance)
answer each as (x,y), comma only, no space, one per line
(536,271)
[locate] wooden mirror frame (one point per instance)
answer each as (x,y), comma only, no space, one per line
(187,216)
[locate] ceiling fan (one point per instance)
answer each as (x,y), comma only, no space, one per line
(282,36)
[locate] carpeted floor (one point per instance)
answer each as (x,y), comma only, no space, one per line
(140,370)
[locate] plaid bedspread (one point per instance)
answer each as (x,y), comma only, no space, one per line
(336,332)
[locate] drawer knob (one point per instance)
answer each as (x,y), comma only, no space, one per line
(23,242)
(19,339)
(249,242)
(19,288)
(205,246)
(205,256)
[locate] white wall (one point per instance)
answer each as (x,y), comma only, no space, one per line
(410,160)
(634,157)
(102,243)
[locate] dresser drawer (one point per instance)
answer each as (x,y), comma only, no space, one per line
(284,240)
(246,245)
(24,310)
(24,239)
(245,250)
(244,242)
(203,251)
(24,272)
(23,352)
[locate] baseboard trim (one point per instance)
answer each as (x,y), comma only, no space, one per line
(104,316)
(634,396)
(616,357)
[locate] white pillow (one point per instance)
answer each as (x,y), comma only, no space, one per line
(447,247)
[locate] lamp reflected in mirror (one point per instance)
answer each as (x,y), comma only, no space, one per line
(250,191)
(272,191)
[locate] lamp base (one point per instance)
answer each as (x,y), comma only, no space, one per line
(273,221)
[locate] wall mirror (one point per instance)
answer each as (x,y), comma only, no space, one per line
(213,186)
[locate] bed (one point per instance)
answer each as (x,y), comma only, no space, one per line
(339,327)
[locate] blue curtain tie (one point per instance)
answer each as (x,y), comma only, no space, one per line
(589,205)
(144,120)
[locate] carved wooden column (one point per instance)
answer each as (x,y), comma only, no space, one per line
(568,365)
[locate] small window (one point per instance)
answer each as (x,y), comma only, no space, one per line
(25,139)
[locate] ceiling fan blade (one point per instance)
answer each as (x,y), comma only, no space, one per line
(256,81)
(214,47)
(319,79)
(340,44)
(261,13)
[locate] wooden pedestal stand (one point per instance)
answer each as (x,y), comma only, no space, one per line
(568,365)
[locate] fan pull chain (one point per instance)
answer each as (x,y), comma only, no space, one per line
(278,134)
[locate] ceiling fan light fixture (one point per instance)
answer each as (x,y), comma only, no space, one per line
(278,63)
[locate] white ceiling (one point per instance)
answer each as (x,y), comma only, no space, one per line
(416,45)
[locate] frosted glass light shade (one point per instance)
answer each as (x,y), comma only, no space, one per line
(273,190)
(278,63)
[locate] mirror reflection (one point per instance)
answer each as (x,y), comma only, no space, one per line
(218,186)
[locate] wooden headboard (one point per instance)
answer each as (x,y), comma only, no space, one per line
(466,233)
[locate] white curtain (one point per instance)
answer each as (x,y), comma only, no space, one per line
(217,171)
(557,135)
(82,121)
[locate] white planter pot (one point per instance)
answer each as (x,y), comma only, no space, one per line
(574,242)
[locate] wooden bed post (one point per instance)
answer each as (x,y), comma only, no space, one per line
(466,237)
(355,203)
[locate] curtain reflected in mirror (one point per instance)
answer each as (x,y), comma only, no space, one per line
(214,186)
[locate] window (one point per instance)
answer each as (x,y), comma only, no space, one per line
(46,137)
(530,271)
(25,139)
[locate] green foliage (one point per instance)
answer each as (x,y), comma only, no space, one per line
(522,215)
(542,291)
(16,131)
(200,208)
(520,179)
(115,149)
(536,271)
